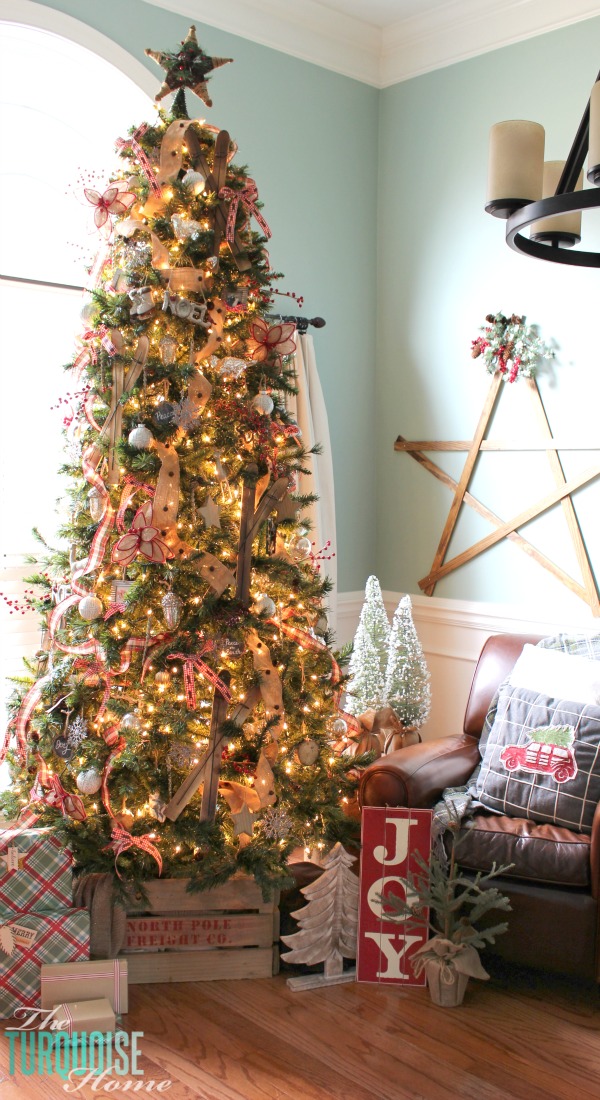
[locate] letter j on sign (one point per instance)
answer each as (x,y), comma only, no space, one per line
(390,840)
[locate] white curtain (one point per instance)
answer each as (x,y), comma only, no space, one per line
(308,409)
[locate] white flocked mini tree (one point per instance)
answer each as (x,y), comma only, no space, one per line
(407,678)
(368,663)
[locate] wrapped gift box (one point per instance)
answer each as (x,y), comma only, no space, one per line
(76,980)
(35,872)
(39,938)
(86,1016)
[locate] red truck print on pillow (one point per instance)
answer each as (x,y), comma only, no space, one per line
(548,752)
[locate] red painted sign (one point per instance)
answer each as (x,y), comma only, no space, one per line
(390,839)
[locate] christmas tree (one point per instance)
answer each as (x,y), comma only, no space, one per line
(178,718)
(368,662)
(407,688)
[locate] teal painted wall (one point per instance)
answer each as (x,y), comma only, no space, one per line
(310,139)
(443,265)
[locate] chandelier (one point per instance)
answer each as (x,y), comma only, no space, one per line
(546,197)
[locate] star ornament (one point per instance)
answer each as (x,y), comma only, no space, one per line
(188,68)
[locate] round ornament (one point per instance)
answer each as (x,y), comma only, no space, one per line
(91,680)
(131,722)
(125,818)
(307,752)
(321,625)
(87,313)
(89,781)
(162,677)
(172,607)
(300,547)
(263,403)
(164,414)
(90,608)
(95,505)
(62,748)
(264,605)
(140,438)
(339,727)
(195,181)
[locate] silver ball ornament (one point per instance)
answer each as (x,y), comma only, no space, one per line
(131,722)
(90,608)
(141,438)
(339,727)
(300,547)
(89,782)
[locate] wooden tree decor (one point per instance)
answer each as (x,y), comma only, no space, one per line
(587,588)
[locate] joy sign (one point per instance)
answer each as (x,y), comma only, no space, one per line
(390,840)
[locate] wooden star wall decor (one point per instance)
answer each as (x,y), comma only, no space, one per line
(586,588)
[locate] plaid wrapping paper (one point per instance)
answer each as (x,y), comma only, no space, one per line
(59,938)
(42,881)
(76,981)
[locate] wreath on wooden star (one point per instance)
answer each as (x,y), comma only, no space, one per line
(510,346)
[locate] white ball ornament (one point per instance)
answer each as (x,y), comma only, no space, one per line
(141,438)
(263,403)
(264,605)
(307,752)
(90,608)
(195,181)
(89,782)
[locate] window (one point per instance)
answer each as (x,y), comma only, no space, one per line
(61,109)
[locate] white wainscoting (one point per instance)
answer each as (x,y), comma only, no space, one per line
(452,633)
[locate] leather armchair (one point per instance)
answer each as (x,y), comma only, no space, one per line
(554,885)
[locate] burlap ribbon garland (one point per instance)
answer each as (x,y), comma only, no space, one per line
(381,731)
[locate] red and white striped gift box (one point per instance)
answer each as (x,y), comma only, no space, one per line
(80,981)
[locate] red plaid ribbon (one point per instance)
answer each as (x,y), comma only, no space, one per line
(247,197)
(306,640)
(122,841)
(117,745)
(193,662)
(122,144)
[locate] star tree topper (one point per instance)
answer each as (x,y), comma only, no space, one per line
(188,68)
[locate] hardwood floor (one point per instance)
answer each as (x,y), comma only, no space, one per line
(521,1036)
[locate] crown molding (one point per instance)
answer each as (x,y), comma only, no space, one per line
(462,29)
(310,31)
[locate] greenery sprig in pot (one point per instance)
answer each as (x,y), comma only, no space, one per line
(441,898)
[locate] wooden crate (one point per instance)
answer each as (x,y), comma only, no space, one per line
(228,932)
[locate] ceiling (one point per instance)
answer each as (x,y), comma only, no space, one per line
(382,42)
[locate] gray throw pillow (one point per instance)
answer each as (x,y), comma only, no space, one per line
(540,760)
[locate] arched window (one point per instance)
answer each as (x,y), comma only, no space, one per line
(61,108)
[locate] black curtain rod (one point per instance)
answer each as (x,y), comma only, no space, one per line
(301,323)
